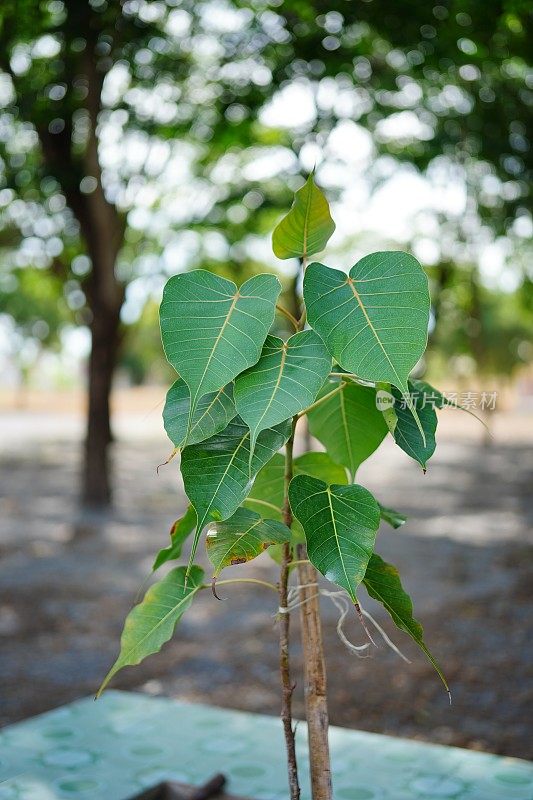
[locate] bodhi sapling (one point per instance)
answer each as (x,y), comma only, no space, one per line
(233,413)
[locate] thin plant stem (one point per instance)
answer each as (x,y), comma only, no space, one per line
(323,399)
(349,377)
(243,580)
(287,686)
(265,503)
(286,313)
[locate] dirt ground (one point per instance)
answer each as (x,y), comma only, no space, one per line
(66,583)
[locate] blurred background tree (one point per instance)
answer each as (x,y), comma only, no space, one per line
(144,137)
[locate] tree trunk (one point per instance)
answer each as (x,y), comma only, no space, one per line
(103,231)
(96,481)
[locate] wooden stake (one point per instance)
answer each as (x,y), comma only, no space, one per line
(316,706)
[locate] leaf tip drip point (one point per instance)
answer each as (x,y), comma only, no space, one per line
(169,459)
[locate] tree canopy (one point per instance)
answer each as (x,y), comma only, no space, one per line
(137,137)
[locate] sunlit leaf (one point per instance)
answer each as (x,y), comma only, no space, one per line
(211,330)
(213,412)
(308,226)
(242,537)
(374,321)
(151,623)
(340,524)
(218,474)
(285,381)
(382,582)
(179,532)
(321,466)
(348,424)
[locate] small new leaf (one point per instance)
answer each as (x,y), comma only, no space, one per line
(340,525)
(151,623)
(382,582)
(241,538)
(308,226)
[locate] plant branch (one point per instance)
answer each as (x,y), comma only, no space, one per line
(241,580)
(348,376)
(323,399)
(286,313)
(263,503)
(284,629)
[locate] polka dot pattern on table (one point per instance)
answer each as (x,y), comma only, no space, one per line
(125,742)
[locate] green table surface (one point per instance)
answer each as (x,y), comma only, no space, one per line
(113,748)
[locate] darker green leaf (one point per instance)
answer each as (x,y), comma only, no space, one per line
(382,582)
(406,432)
(178,534)
(394,518)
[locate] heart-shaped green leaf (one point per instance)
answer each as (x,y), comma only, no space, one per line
(266,496)
(213,412)
(406,431)
(340,524)
(179,532)
(241,538)
(211,330)
(151,623)
(374,321)
(285,381)
(308,226)
(218,474)
(348,424)
(382,582)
